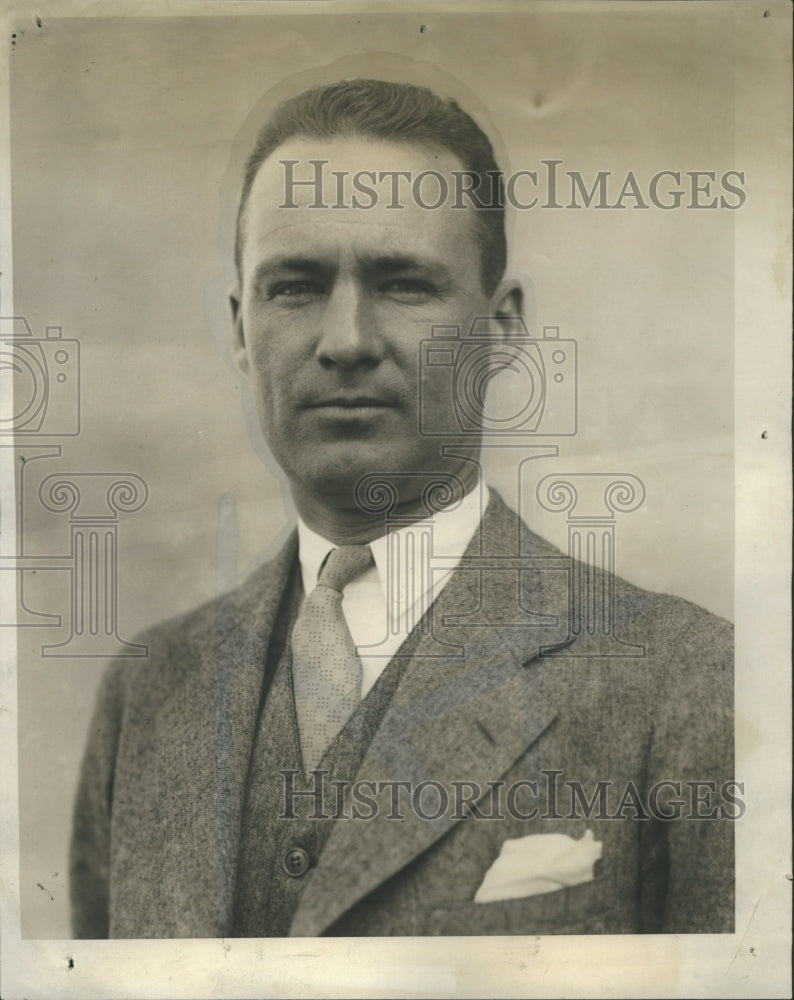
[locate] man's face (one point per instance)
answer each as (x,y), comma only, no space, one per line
(334,305)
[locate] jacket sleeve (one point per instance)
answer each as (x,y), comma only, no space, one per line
(89,860)
(692,766)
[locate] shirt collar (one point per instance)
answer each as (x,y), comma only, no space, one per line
(453,529)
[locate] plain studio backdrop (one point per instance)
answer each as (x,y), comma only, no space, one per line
(126,137)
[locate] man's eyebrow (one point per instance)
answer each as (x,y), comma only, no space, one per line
(389,263)
(374,266)
(291,263)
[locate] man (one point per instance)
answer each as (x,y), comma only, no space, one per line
(400,725)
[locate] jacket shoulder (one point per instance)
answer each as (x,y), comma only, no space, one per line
(674,631)
(179,646)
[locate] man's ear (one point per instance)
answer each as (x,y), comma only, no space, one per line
(506,309)
(238,335)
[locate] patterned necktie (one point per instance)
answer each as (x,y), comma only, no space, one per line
(326,670)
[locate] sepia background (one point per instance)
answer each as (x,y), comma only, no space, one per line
(126,139)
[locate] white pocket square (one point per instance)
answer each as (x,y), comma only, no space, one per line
(543,862)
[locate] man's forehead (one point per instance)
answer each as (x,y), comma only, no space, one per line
(314,191)
(354,156)
(334,238)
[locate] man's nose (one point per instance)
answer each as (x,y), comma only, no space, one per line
(348,336)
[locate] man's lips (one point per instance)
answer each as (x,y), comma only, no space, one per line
(350,403)
(343,410)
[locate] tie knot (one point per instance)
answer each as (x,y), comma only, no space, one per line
(345,564)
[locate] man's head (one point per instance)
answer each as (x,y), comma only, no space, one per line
(335,301)
(395,113)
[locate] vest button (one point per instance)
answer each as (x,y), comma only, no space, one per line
(295,862)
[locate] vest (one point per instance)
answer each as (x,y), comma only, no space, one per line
(289,815)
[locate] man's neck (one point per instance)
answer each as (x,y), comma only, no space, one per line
(343,522)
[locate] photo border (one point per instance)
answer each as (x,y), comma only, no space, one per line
(753,961)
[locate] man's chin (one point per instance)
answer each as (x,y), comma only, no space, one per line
(345,475)
(339,482)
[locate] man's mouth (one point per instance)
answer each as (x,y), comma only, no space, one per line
(351,407)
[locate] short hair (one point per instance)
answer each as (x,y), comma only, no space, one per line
(395,112)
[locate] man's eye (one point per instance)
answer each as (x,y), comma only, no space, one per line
(407,287)
(294,290)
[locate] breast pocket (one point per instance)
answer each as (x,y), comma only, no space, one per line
(587,908)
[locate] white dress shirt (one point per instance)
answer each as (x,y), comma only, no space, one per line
(416,581)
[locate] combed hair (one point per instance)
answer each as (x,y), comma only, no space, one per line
(394,112)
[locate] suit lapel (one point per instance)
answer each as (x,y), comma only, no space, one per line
(206,731)
(238,674)
(463,717)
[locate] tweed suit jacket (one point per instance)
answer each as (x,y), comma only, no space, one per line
(625,737)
